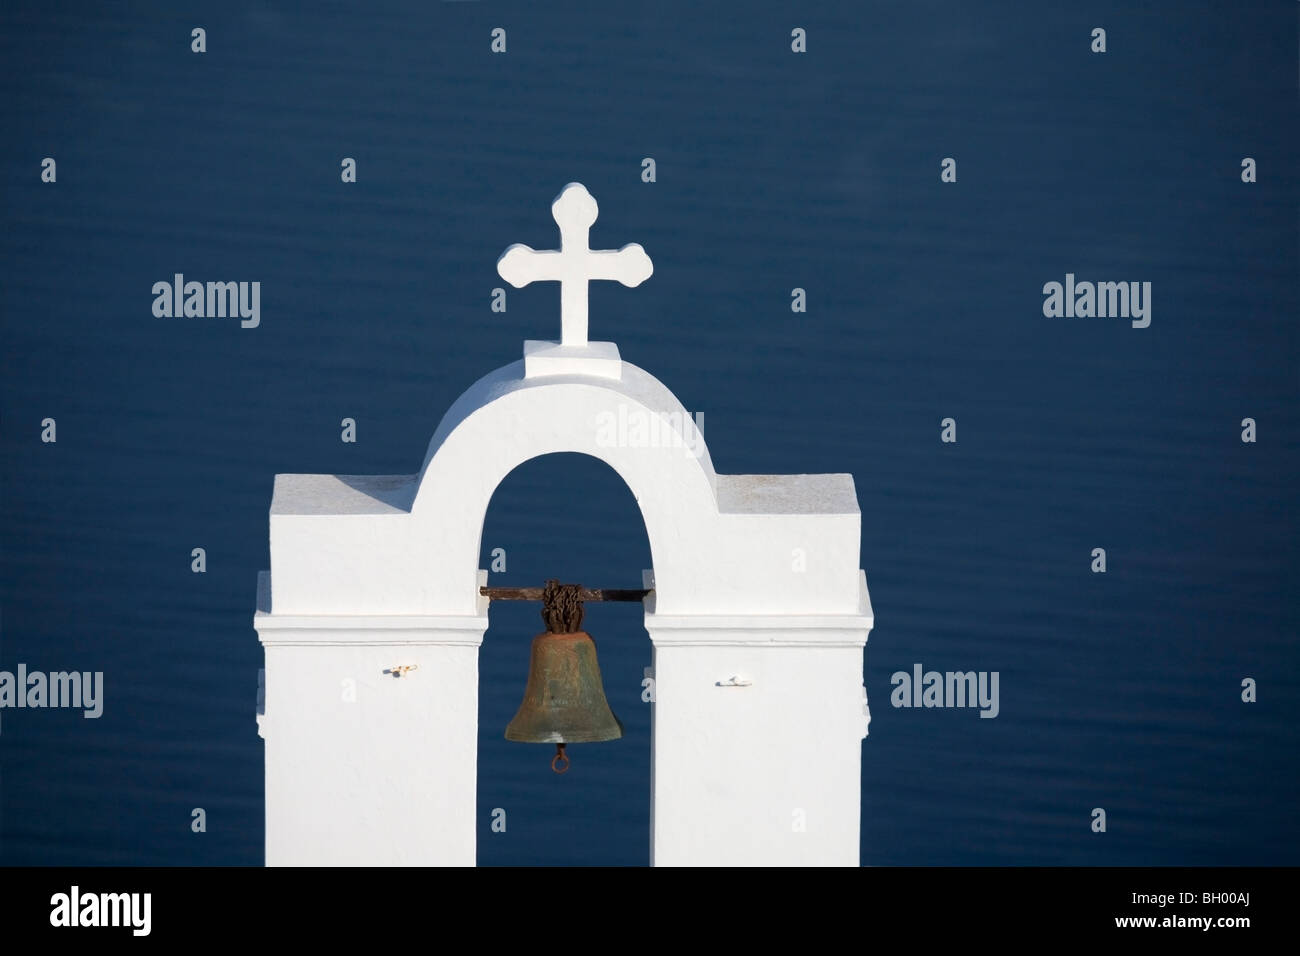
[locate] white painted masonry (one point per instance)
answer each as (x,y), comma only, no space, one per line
(755,579)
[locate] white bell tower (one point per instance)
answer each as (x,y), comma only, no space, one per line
(371,618)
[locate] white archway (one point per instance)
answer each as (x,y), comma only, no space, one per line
(755,578)
(409,544)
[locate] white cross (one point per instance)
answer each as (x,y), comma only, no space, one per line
(573,265)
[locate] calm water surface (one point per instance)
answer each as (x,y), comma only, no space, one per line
(775,171)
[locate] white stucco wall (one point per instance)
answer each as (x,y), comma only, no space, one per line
(758,574)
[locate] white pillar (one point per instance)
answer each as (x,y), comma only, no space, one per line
(364,768)
(758,724)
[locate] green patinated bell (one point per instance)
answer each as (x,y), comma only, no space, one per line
(564,702)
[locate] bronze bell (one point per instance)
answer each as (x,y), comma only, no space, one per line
(564,701)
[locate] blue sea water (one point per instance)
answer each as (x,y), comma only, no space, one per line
(775,170)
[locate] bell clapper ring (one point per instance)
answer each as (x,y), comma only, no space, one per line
(560,762)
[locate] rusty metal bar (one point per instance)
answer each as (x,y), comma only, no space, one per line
(584,594)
